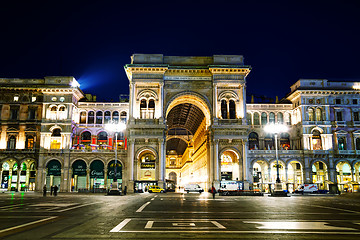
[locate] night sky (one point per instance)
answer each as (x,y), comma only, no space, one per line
(92,40)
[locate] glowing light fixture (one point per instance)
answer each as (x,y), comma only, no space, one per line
(75,83)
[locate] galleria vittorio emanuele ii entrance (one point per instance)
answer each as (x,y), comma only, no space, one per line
(187,120)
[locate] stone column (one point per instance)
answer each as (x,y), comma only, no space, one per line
(105,177)
(27,181)
(162,101)
(18,185)
(162,163)
(10,178)
(246,166)
(217,165)
(131,100)
(215,100)
(88,178)
(131,161)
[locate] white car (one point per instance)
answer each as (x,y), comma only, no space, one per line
(193,188)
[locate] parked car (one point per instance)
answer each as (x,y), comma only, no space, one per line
(193,188)
(156,189)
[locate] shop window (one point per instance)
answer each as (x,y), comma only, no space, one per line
(318,114)
(341,143)
(107,117)
(99,117)
(263,118)
(272,117)
(253,141)
(223,109)
(232,109)
(82,117)
(29,144)
(316,140)
(11,142)
(280,118)
(91,117)
(256,118)
(115,117)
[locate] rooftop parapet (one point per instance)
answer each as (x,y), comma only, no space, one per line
(304,84)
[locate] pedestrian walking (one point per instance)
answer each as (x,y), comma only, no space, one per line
(44,191)
(55,190)
(213,191)
(125,190)
(51,190)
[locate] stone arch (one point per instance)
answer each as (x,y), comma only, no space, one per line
(54,127)
(229,95)
(143,149)
(235,150)
(194,98)
(317,129)
(295,160)
(147,94)
(259,159)
(82,159)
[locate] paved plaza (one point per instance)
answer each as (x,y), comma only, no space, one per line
(177,216)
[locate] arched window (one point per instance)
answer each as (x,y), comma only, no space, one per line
(11,142)
(123,117)
(91,117)
(285,141)
(85,137)
(151,109)
(263,118)
(82,117)
(223,109)
(316,140)
(253,141)
(53,109)
(341,143)
(62,109)
(115,116)
(256,118)
(107,117)
(248,118)
(272,117)
(318,114)
(280,118)
(99,117)
(62,112)
(56,132)
(269,142)
(143,107)
(288,119)
(102,138)
(311,114)
(29,143)
(357,143)
(232,110)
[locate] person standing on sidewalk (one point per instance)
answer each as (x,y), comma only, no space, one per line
(213,191)
(55,190)
(44,191)
(51,190)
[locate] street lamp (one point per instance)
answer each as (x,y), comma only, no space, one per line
(116,128)
(276,129)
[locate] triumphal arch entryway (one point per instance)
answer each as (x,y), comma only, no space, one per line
(187,120)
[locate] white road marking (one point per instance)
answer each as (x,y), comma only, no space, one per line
(258,232)
(120,225)
(71,208)
(152,199)
(142,207)
(184,224)
(161,199)
(218,224)
(26,224)
(333,208)
(286,225)
(11,206)
(149,224)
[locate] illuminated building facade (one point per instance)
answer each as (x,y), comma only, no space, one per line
(187,122)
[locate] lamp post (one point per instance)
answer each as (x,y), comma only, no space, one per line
(276,129)
(116,128)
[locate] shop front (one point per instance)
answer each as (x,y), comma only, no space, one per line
(112,172)
(78,181)
(97,175)
(5,176)
(53,176)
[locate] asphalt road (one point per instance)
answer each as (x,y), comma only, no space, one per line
(177,216)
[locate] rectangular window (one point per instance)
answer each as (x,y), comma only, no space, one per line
(16,98)
(356,116)
(339,116)
(337,101)
(33,99)
(355,101)
(32,114)
(14,114)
